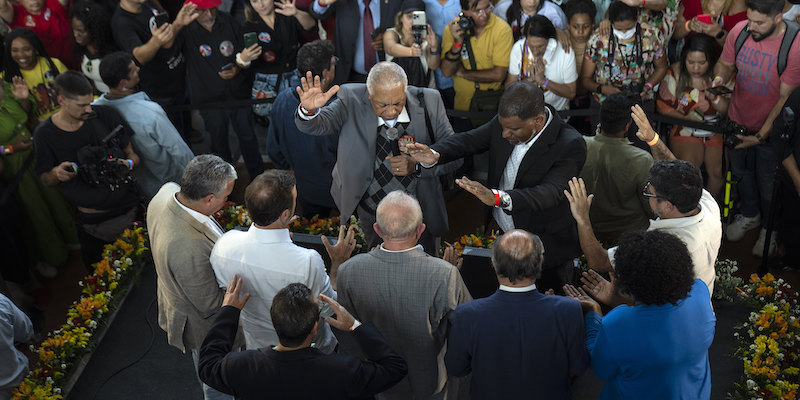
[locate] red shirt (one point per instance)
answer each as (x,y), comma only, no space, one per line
(693,8)
(53,28)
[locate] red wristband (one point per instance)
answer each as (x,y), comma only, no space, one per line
(496,197)
(457,44)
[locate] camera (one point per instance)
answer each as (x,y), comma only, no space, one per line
(419,26)
(100,164)
(467,24)
(633,92)
(730,129)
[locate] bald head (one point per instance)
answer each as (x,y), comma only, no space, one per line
(398,216)
(518,255)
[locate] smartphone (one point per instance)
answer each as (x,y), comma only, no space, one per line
(418,18)
(250,38)
(161,18)
(720,90)
(226,67)
(705,18)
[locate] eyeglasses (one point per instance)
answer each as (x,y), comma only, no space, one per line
(646,193)
(486,10)
(335,60)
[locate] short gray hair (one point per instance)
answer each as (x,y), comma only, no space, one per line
(386,74)
(206,174)
(398,215)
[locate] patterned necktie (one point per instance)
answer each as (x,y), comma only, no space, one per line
(369,52)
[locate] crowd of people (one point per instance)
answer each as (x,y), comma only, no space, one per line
(96,132)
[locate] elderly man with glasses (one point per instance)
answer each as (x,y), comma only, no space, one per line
(681,205)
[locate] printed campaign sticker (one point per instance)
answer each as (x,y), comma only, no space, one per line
(205,50)
(29,22)
(265,37)
(269,56)
(47,14)
(226,48)
(404,141)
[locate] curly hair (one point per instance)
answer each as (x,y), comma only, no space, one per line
(679,182)
(97,22)
(654,267)
(10,67)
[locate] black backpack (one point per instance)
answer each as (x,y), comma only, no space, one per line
(786,44)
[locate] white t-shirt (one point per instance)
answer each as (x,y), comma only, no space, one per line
(792,13)
(549,10)
(559,68)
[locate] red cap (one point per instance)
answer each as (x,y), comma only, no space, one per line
(203,4)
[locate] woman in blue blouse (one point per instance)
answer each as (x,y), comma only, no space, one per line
(655,347)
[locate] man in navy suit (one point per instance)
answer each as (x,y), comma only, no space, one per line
(518,342)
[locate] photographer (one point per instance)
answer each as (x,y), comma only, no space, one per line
(787,146)
(475,51)
(91,172)
(411,45)
(632,59)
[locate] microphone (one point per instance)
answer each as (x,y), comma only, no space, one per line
(393,135)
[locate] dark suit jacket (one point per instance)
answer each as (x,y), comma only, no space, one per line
(352,116)
(539,204)
(301,374)
(348,22)
(523,345)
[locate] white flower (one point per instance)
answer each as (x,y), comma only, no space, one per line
(751,384)
(80,283)
(63,366)
(49,380)
(57,390)
(128,260)
(32,349)
(116,263)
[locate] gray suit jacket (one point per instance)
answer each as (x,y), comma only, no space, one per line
(188,294)
(352,116)
(409,296)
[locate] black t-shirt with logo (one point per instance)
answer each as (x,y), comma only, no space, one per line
(161,77)
(206,53)
(54,146)
(278,46)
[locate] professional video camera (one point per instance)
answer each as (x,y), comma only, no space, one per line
(100,164)
(730,129)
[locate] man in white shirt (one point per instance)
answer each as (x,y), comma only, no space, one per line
(182,234)
(267,260)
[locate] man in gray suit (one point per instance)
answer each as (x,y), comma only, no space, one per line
(375,121)
(182,234)
(408,295)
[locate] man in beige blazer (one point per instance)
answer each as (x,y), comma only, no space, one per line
(182,234)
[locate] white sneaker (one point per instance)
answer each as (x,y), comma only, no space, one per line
(740,225)
(758,248)
(46,270)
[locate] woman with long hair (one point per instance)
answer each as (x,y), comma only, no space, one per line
(276,28)
(517,12)
(683,95)
(25,56)
(91,34)
(418,56)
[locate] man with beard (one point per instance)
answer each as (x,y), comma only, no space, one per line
(106,205)
(760,92)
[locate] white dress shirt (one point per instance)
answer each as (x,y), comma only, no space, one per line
(267,261)
(204,219)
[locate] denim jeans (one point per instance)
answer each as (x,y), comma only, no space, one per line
(754,169)
(217,122)
(266,86)
(209,393)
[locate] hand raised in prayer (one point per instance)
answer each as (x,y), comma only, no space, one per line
(587,303)
(346,243)
(483,193)
(310,92)
(233,294)
(451,256)
(579,201)
(343,321)
(422,153)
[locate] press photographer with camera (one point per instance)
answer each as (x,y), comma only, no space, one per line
(86,152)
(412,44)
(765,76)
(475,52)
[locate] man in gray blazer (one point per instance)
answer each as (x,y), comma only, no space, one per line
(182,234)
(375,121)
(408,295)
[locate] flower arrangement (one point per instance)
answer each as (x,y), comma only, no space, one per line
(769,341)
(480,238)
(726,283)
(232,216)
(101,293)
(329,227)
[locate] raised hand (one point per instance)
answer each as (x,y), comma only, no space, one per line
(19,88)
(483,193)
(587,303)
(343,321)
(422,153)
(579,202)
(340,252)
(311,95)
(286,8)
(233,295)
(598,287)
(186,15)
(451,256)
(645,131)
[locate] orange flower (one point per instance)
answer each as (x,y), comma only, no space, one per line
(753,278)
(764,291)
(768,278)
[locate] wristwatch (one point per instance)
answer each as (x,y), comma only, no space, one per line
(720,34)
(505,199)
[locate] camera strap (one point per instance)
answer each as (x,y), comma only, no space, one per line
(612,42)
(471,56)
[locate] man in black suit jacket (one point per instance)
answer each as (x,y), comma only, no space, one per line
(532,156)
(293,369)
(349,33)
